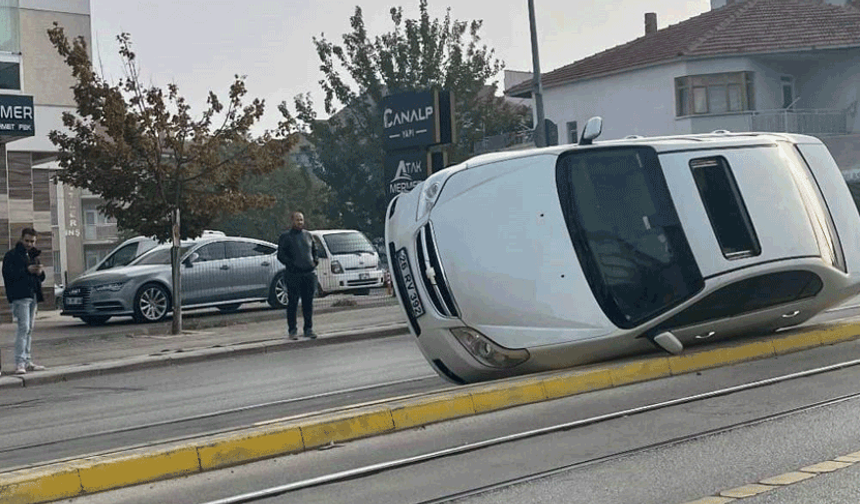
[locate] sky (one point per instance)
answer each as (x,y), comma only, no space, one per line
(201,44)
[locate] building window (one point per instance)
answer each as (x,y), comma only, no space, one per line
(10,75)
(571,132)
(10,34)
(97,226)
(714,93)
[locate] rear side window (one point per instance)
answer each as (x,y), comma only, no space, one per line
(725,207)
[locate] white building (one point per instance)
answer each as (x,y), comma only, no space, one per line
(771,65)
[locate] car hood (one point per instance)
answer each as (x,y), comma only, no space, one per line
(509,260)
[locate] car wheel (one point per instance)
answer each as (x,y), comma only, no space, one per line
(278,292)
(151,303)
(229,308)
(320,293)
(95,320)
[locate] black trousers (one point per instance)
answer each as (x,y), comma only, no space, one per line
(300,286)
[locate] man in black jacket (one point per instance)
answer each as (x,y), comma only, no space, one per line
(23,277)
(298,252)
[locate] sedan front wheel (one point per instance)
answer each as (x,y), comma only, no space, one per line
(151,303)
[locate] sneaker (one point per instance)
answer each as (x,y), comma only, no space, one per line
(310,334)
(294,334)
(21,369)
(35,367)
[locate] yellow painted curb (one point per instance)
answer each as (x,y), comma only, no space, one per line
(796,342)
(344,426)
(569,383)
(410,413)
(40,485)
(640,370)
(839,333)
(233,449)
(140,466)
(509,393)
(711,358)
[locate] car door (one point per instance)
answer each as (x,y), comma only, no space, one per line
(207,279)
(250,268)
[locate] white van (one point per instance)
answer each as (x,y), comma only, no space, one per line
(348,262)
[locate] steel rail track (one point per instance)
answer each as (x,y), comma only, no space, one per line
(394,464)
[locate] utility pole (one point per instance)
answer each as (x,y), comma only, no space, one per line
(540,127)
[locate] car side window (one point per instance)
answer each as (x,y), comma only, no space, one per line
(121,257)
(752,294)
(211,252)
(247,249)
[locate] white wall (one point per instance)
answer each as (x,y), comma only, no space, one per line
(69,6)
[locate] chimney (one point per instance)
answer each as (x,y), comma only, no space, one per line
(650,23)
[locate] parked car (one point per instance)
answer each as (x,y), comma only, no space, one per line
(220,271)
(348,262)
(526,261)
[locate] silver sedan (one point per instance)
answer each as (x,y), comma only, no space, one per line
(221,272)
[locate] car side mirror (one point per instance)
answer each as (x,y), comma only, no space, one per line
(190,259)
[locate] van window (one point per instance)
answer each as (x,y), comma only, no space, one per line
(320,249)
(725,207)
(626,232)
(348,243)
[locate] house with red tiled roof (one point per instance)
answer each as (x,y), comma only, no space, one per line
(745,65)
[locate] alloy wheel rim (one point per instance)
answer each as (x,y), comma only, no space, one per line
(153,303)
(281,291)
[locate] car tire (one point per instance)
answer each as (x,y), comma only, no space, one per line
(278,292)
(320,293)
(229,308)
(151,303)
(95,320)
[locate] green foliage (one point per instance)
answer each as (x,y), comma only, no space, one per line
(139,148)
(416,55)
(292,188)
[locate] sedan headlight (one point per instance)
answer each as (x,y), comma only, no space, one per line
(486,351)
(110,287)
(430,190)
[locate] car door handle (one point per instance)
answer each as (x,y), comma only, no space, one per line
(225,267)
(791,314)
(264,263)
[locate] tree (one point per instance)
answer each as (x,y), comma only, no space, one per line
(142,152)
(418,54)
(293,188)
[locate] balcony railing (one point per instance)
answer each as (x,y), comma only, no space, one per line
(100,232)
(803,121)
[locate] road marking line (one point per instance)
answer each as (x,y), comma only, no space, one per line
(788,478)
(746,491)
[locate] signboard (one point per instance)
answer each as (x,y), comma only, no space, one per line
(404,170)
(16,116)
(410,120)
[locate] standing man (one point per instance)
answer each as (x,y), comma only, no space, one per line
(298,252)
(23,278)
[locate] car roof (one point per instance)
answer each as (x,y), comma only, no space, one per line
(332,231)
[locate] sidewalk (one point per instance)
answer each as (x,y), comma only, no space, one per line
(71,350)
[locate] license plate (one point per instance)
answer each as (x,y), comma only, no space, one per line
(74,301)
(409,282)
(363,276)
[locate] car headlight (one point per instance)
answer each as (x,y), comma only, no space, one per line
(430,190)
(486,351)
(336,268)
(110,287)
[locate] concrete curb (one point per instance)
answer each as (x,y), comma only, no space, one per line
(65,373)
(305,432)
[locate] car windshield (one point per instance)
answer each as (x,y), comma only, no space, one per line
(158,256)
(348,243)
(626,232)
